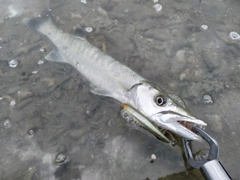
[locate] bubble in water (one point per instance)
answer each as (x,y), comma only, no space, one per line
(84,1)
(40,62)
(155,1)
(7,124)
(153,158)
(158,7)
(207,99)
(89,29)
(204,27)
(13,63)
(12,103)
(42,49)
(34,72)
(234,35)
(60,158)
(30,132)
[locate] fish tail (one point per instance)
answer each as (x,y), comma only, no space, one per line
(41,24)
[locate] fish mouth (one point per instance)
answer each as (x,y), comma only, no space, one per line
(190,125)
(188,134)
(163,122)
(181,125)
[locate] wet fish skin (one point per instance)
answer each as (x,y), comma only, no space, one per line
(106,74)
(113,79)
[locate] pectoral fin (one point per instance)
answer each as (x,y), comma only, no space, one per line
(55,56)
(100,92)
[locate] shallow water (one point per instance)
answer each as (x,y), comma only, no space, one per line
(53,127)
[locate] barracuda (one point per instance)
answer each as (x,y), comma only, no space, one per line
(145,101)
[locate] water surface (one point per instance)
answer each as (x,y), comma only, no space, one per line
(53,127)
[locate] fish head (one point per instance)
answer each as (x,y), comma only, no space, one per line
(164,111)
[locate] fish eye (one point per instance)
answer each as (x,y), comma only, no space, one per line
(160,100)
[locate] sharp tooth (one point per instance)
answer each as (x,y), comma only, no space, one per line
(190,125)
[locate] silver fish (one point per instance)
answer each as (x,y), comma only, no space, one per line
(113,79)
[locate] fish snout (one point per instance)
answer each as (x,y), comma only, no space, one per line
(180,125)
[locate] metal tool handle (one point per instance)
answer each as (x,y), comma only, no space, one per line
(213,170)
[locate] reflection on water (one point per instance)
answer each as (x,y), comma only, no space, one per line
(52,127)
